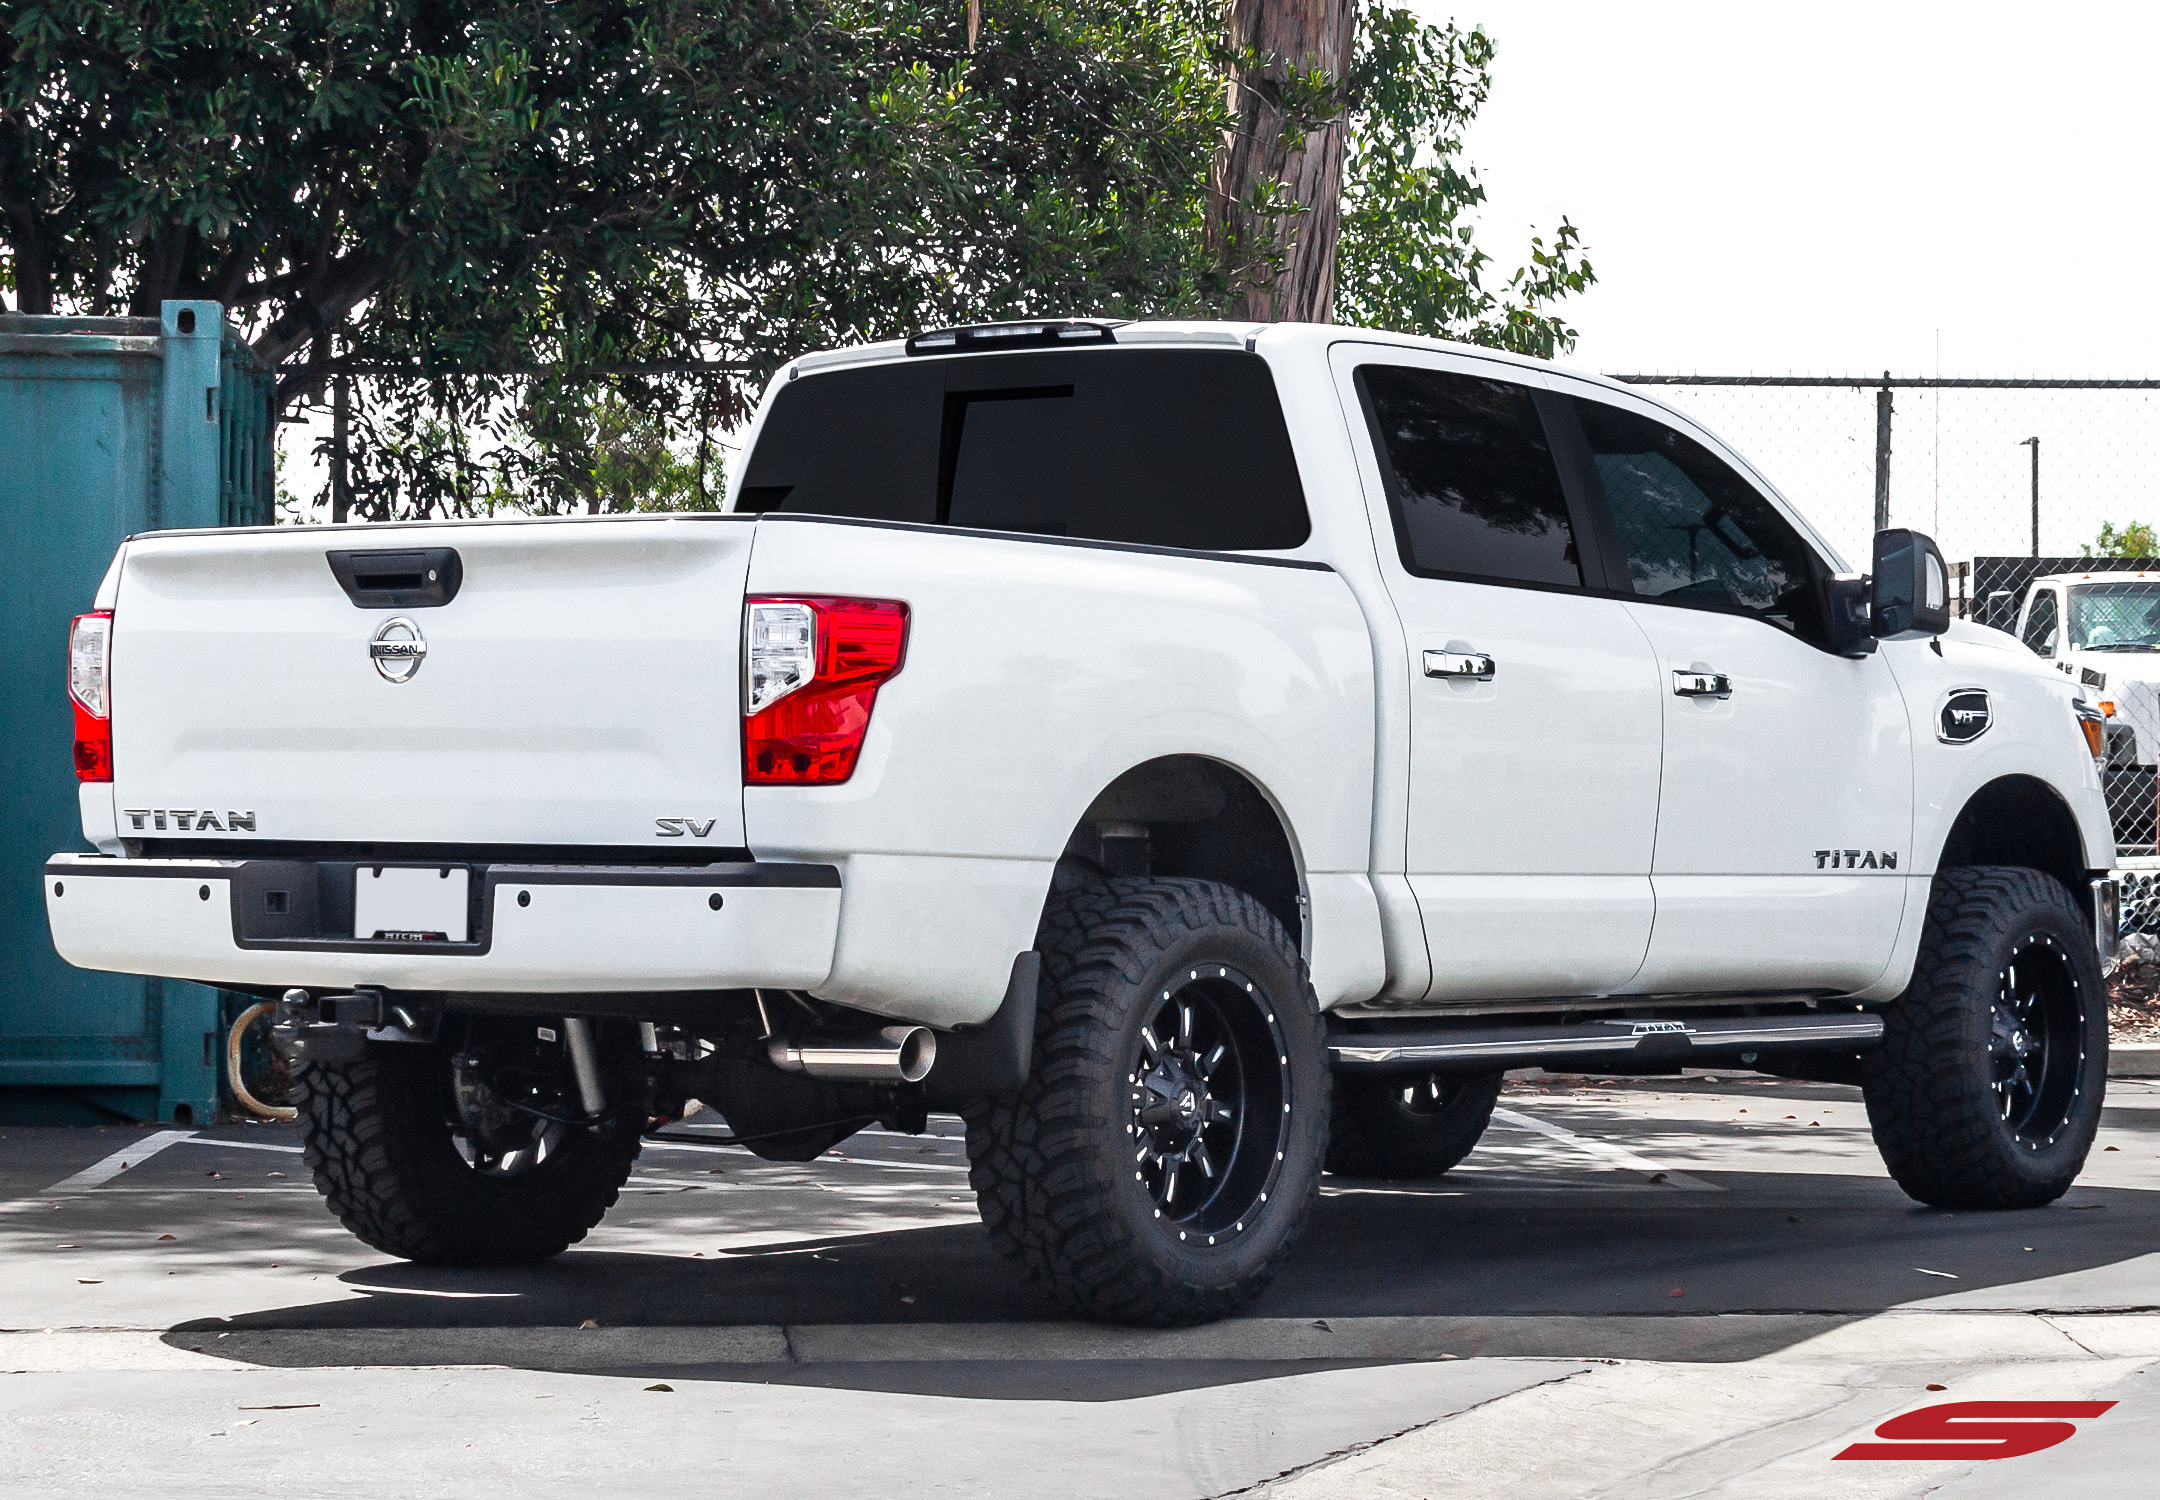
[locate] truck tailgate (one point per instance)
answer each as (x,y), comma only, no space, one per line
(582,685)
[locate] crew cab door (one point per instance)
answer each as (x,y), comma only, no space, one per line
(1534,714)
(1785,805)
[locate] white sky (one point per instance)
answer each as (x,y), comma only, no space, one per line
(1819,189)
(1826,190)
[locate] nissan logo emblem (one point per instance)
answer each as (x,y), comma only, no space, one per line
(397,649)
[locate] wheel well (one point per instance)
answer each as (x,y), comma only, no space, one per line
(1188,816)
(2018,820)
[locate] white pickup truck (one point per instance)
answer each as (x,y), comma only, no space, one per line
(2102,629)
(1202,756)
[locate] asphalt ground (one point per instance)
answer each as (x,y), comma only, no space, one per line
(1697,1286)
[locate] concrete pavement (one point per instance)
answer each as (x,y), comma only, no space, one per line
(1669,1287)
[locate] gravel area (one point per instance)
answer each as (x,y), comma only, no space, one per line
(2134,999)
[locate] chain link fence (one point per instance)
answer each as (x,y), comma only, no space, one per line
(2017,481)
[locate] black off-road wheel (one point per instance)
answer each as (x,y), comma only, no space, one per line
(1986,1090)
(1166,1151)
(1408,1127)
(458,1153)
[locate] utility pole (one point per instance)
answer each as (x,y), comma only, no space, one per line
(2034,444)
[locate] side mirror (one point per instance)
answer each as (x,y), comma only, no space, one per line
(1912,587)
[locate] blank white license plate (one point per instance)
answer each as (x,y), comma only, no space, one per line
(409,905)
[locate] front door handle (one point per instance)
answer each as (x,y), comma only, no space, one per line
(1697,683)
(1463,666)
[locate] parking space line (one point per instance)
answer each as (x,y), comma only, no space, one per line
(1619,1156)
(211,1140)
(120,1161)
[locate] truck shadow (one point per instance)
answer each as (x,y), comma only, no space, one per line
(1741,1267)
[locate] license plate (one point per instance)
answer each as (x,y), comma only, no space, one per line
(407,905)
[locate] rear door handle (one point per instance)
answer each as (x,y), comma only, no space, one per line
(1464,666)
(1687,683)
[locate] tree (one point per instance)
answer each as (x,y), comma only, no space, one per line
(1276,187)
(1408,258)
(2134,540)
(547,244)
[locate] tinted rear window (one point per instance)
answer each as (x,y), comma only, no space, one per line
(1165,447)
(1470,477)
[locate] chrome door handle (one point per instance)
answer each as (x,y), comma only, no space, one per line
(1693,684)
(1464,666)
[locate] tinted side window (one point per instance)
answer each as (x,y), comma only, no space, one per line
(1470,477)
(1695,532)
(1165,447)
(2040,624)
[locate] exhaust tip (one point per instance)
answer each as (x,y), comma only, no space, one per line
(917,1051)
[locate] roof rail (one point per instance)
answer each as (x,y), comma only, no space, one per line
(1029,333)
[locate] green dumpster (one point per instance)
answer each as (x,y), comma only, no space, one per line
(108,426)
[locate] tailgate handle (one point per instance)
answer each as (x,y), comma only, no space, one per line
(409,578)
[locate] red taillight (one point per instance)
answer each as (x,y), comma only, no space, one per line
(812,670)
(90,691)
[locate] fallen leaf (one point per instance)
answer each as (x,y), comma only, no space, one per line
(281,1405)
(213,1174)
(2111,1148)
(663,1386)
(168,1236)
(1934,1387)
(1676,1292)
(907,1299)
(86,1281)
(590,1323)
(1451,1356)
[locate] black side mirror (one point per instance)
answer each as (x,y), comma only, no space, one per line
(1912,587)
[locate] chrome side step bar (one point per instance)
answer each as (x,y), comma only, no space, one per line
(1619,1045)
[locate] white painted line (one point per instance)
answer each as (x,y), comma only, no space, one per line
(113,1165)
(1619,1156)
(207,1140)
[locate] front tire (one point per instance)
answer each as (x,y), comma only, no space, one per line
(1986,1090)
(1408,1127)
(1165,1151)
(419,1172)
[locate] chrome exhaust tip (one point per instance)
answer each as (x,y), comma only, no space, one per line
(897,1054)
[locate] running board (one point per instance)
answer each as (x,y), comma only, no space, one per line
(1621,1045)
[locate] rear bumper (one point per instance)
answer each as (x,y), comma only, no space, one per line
(536,929)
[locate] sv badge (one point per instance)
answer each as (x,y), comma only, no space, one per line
(675,828)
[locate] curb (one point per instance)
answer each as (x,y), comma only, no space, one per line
(2134,1060)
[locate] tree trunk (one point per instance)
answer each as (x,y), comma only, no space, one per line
(1274,213)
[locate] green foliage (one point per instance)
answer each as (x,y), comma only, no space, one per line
(2134,540)
(1408,259)
(502,214)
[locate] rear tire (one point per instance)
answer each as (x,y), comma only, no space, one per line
(1165,1152)
(1986,1090)
(1408,1127)
(380,1140)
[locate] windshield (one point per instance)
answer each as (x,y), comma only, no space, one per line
(2115,617)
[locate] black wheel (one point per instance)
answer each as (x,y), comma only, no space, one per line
(1987,1088)
(461,1153)
(1166,1150)
(1408,1125)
